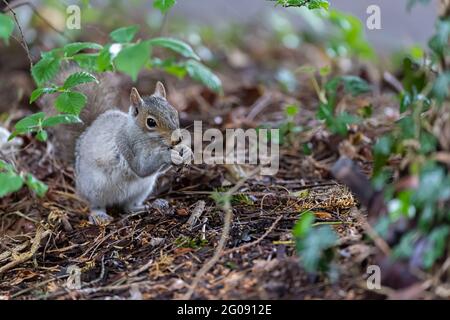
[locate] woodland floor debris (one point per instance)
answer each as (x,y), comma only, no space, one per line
(156,254)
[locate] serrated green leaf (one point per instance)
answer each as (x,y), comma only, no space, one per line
(36,185)
(163,5)
(75,47)
(30,123)
(124,34)
(39,92)
(86,61)
(310,4)
(78,78)
(45,70)
(132,59)
(60,119)
(175,45)
(9,182)
(70,102)
(6,27)
(203,74)
(318,4)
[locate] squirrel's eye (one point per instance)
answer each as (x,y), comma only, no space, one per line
(151,123)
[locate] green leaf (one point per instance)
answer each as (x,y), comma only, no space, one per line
(291,110)
(313,246)
(441,87)
(87,61)
(318,4)
(78,78)
(325,112)
(175,45)
(45,70)
(383,146)
(124,34)
(6,27)
(75,47)
(355,85)
(310,4)
(60,119)
(406,246)
(30,123)
(303,224)
(5,166)
(132,59)
(438,240)
(70,102)
(36,185)
(104,60)
(341,121)
(178,69)
(439,42)
(325,71)
(203,74)
(40,91)
(163,5)
(9,182)
(42,135)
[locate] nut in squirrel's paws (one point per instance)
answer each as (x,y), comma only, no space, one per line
(181,154)
(100,218)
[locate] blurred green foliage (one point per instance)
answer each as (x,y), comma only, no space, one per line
(12,181)
(6,27)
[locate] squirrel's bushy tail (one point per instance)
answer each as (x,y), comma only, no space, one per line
(101,97)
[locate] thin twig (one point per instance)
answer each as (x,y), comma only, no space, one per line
(196,213)
(262,103)
(36,12)
(24,43)
(145,267)
(253,243)
(40,234)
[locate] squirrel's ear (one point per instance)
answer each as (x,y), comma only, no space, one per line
(160,91)
(135,98)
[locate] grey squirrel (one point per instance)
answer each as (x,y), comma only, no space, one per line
(119,155)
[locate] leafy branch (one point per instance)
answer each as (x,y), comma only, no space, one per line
(310,4)
(121,54)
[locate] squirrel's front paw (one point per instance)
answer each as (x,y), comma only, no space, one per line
(100,218)
(181,154)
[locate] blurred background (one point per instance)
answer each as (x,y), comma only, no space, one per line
(400,27)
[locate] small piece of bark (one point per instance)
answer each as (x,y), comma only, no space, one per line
(196,213)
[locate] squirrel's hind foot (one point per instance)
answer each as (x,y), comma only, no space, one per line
(100,218)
